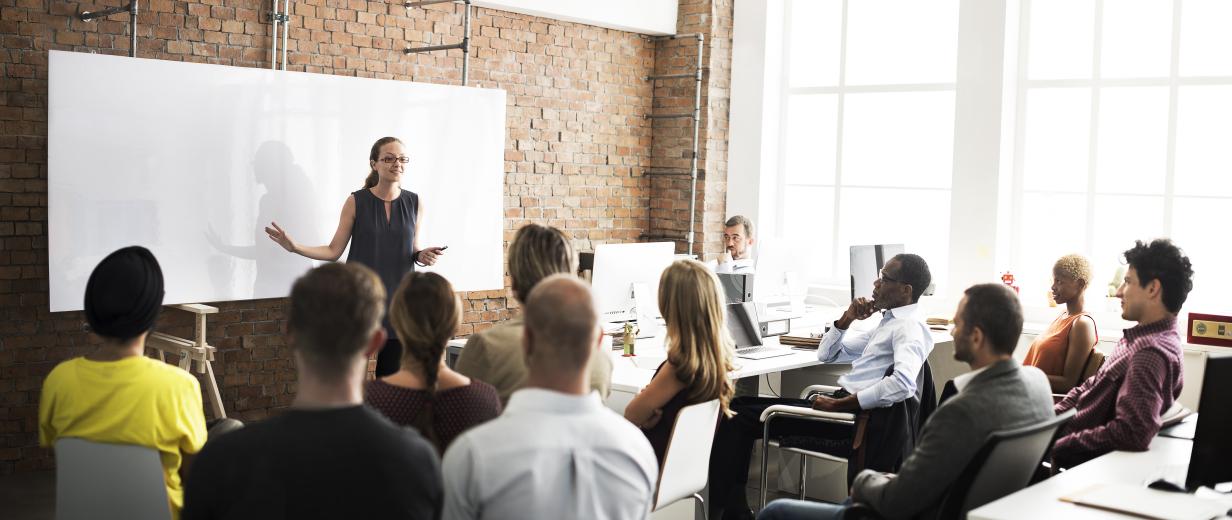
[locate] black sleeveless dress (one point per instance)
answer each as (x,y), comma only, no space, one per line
(661,433)
(387,246)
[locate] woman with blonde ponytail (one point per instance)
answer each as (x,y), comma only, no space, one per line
(380,221)
(425,393)
(699,353)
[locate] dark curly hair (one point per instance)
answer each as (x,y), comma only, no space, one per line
(914,271)
(1162,260)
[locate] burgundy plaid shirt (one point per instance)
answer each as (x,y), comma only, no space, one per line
(1119,407)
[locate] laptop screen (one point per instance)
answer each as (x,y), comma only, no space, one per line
(743,324)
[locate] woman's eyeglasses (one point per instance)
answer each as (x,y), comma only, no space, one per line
(391,159)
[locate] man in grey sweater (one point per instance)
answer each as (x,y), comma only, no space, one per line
(997,394)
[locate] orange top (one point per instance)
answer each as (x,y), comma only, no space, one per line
(1049,349)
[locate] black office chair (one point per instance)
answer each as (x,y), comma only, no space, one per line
(1004,465)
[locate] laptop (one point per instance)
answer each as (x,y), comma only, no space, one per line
(745,328)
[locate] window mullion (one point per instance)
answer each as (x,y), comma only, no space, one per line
(1093,145)
(1173,91)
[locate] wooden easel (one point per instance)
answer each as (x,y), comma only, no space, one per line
(190,351)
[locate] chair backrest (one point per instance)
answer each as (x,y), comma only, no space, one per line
(1094,360)
(1003,465)
(686,463)
(104,481)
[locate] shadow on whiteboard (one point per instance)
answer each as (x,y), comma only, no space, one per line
(247,253)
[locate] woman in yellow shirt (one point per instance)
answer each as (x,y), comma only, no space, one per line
(1062,351)
(115,394)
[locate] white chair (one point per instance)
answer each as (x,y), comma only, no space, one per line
(686,462)
(100,481)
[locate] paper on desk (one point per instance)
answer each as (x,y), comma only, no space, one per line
(1145,502)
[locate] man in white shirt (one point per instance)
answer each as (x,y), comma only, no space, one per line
(557,451)
(738,240)
(899,345)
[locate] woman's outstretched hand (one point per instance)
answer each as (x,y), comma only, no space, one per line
(278,235)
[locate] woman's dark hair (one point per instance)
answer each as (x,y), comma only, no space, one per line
(424,314)
(1162,260)
(375,155)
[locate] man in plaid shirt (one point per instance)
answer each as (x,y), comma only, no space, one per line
(1119,408)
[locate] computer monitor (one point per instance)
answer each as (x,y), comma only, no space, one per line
(742,323)
(620,269)
(1209,462)
(866,264)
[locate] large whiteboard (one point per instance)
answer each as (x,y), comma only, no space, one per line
(193,160)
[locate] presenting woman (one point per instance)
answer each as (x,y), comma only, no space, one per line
(380,222)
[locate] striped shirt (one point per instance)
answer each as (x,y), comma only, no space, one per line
(1119,408)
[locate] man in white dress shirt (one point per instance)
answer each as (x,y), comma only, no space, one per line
(557,451)
(900,341)
(738,240)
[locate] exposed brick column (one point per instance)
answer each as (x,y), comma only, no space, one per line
(671,147)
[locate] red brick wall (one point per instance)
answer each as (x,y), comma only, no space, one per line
(575,149)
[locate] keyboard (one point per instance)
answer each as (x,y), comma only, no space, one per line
(761,352)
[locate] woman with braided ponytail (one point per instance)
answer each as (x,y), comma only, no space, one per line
(424,392)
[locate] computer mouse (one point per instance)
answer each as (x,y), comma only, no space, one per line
(1167,485)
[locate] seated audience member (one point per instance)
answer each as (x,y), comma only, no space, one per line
(494,356)
(900,341)
(998,394)
(698,353)
(1119,408)
(329,455)
(556,451)
(116,394)
(738,240)
(425,393)
(1063,350)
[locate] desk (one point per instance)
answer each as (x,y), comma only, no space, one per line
(1166,458)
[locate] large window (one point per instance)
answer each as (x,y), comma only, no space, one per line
(867,126)
(1117,124)
(1123,131)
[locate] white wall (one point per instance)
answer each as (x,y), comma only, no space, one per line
(192,161)
(655,17)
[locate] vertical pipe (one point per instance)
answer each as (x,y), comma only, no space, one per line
(466,41)
(274,36)
(286,30)
(697,121)
(132,28)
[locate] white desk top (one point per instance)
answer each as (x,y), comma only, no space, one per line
(1167,458)
(633,374)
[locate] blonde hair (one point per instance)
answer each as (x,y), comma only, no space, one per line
(698,344)
(535,253)
(1074,266)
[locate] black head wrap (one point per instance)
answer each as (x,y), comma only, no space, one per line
(124,294)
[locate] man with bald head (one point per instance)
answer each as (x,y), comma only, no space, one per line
(556,452)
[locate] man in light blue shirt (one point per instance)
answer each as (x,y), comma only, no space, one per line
(898,346)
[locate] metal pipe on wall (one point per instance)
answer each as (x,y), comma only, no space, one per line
(697,121)
(274,20)
(696,115)
(286,29)
(87,16)
(466,41)
(465,44)
(132,28)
